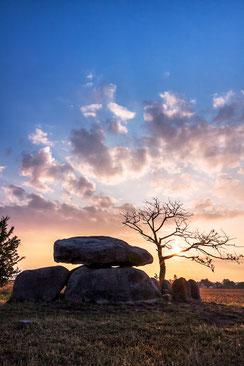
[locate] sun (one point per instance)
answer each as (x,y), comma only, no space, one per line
(176,249)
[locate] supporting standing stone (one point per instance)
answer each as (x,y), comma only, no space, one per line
(165,287)
(40,284)
(111,285)
(180,290)
(195,293)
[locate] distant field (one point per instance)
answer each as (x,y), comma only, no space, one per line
(223,296)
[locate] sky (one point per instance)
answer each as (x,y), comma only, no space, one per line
(107,104)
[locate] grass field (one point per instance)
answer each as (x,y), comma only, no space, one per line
(149,334)
(223,296)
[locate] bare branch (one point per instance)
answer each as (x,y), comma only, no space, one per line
(204,246)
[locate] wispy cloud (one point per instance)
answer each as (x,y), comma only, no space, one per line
(116,127)
(166,74)
(90,110)
(89,76)
(40,137)
(220,101)
(226,186)
(121,115)
(207,209)
(104,93)
(121,112)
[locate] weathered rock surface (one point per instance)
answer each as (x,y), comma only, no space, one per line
(40,284)
(180,290)
(165,287)
(110,285)
(100,251)
(167,297)
(194,290)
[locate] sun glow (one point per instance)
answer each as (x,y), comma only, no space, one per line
(176,248)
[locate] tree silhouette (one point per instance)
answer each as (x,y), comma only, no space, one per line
(154,222)
(8,252)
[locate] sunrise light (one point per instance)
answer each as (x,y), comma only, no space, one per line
(116,104)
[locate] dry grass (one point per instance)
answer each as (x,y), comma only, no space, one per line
(156,334)
(121,335)
(223,296)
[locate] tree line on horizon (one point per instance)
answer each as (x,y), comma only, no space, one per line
(225,284)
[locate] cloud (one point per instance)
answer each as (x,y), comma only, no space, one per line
(230,109)
(206,209)
(105,92)
(98,219)
(175,106)
(90,110)
(2,168)
(18,197)
(227,186)
(121,112)
(220,101)
(15,194)
(103,201)
(169,114)
(122,115)
(43,170)
(40,137)
(108,164)
(116,127)
(178,140)
(78,186)
(174,185)
(89,76)
(89,84)
(166,74)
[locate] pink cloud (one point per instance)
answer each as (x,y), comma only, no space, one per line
(108,164)
(40,137)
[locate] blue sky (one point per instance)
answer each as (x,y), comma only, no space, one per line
(109,102)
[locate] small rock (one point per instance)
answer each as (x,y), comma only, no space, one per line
(167,297)
(24,324)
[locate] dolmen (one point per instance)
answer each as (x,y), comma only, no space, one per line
(107,274)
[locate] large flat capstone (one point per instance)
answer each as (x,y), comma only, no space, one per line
(100,251)
(111,285)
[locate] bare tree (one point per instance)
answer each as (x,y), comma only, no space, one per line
(154,222)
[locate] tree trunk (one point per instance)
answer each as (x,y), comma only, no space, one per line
(162,266)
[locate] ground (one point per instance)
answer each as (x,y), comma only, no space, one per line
(148,334)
